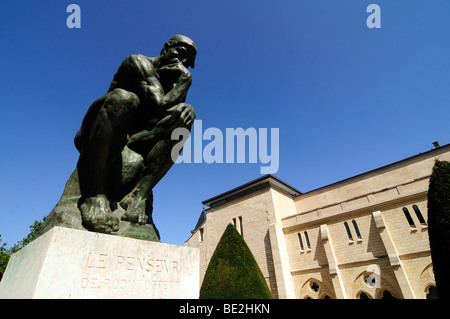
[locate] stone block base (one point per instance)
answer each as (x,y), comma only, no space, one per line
(71,263)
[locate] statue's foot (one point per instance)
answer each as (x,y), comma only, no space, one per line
(126,201)
(97,214)
(135,212)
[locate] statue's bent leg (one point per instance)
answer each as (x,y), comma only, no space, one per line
(157,164)
(107,137)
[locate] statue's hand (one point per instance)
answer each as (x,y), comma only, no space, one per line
(181,115)
(176,72)
(135,211)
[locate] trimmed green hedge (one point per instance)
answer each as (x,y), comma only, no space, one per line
(232,272)
(439,226)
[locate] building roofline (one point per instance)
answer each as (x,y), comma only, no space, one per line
(270,180)
(251,187)
(440,148)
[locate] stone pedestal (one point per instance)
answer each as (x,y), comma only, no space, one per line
(71,263)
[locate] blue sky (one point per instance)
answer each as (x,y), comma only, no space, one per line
(346,98)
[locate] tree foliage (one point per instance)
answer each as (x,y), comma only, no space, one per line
(4,257)
(439,225)
(5,253)
(232,272)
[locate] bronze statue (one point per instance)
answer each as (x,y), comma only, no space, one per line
(125,144)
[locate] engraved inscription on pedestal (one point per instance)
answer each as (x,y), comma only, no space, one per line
(125,272)
(69,263)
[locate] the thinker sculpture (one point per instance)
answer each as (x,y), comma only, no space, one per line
(125,145)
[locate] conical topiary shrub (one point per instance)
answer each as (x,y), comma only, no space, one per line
(439,226)
(232,272)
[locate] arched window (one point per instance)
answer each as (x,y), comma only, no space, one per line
(349,234)
(300,241)
(432,293)
(387,295)
(363,295)
(308,244)
(408,217)
(241,227)
(355,225)
(419,215)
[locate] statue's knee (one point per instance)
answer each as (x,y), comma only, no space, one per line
(130,99)
(121,103)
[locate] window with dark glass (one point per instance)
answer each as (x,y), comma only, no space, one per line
(241,227)
(387,295)
(408,217)
(363,295)
(355,225)
(419,215)
(349,234)
(300,241)
(308,244)
(315,287)
(432,293)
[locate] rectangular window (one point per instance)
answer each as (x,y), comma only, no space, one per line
(302,248)
(308,244)
(241,228)
(355,225)
(408,218)
(349,233)
(201,234)
(419,215)
(237,222)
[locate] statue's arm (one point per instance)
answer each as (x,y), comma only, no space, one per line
(162,102)
(153,91)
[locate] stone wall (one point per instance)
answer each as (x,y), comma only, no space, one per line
(303,246)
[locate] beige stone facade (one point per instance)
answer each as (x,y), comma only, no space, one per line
(363,237)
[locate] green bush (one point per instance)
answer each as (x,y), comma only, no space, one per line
(232,272)
(5,254)
(439,225)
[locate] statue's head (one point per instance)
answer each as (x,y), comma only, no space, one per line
(179,48)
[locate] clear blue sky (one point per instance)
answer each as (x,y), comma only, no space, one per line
(346,98)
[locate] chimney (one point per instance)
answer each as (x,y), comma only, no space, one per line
(436,144)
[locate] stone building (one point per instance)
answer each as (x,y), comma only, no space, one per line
(362,237)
